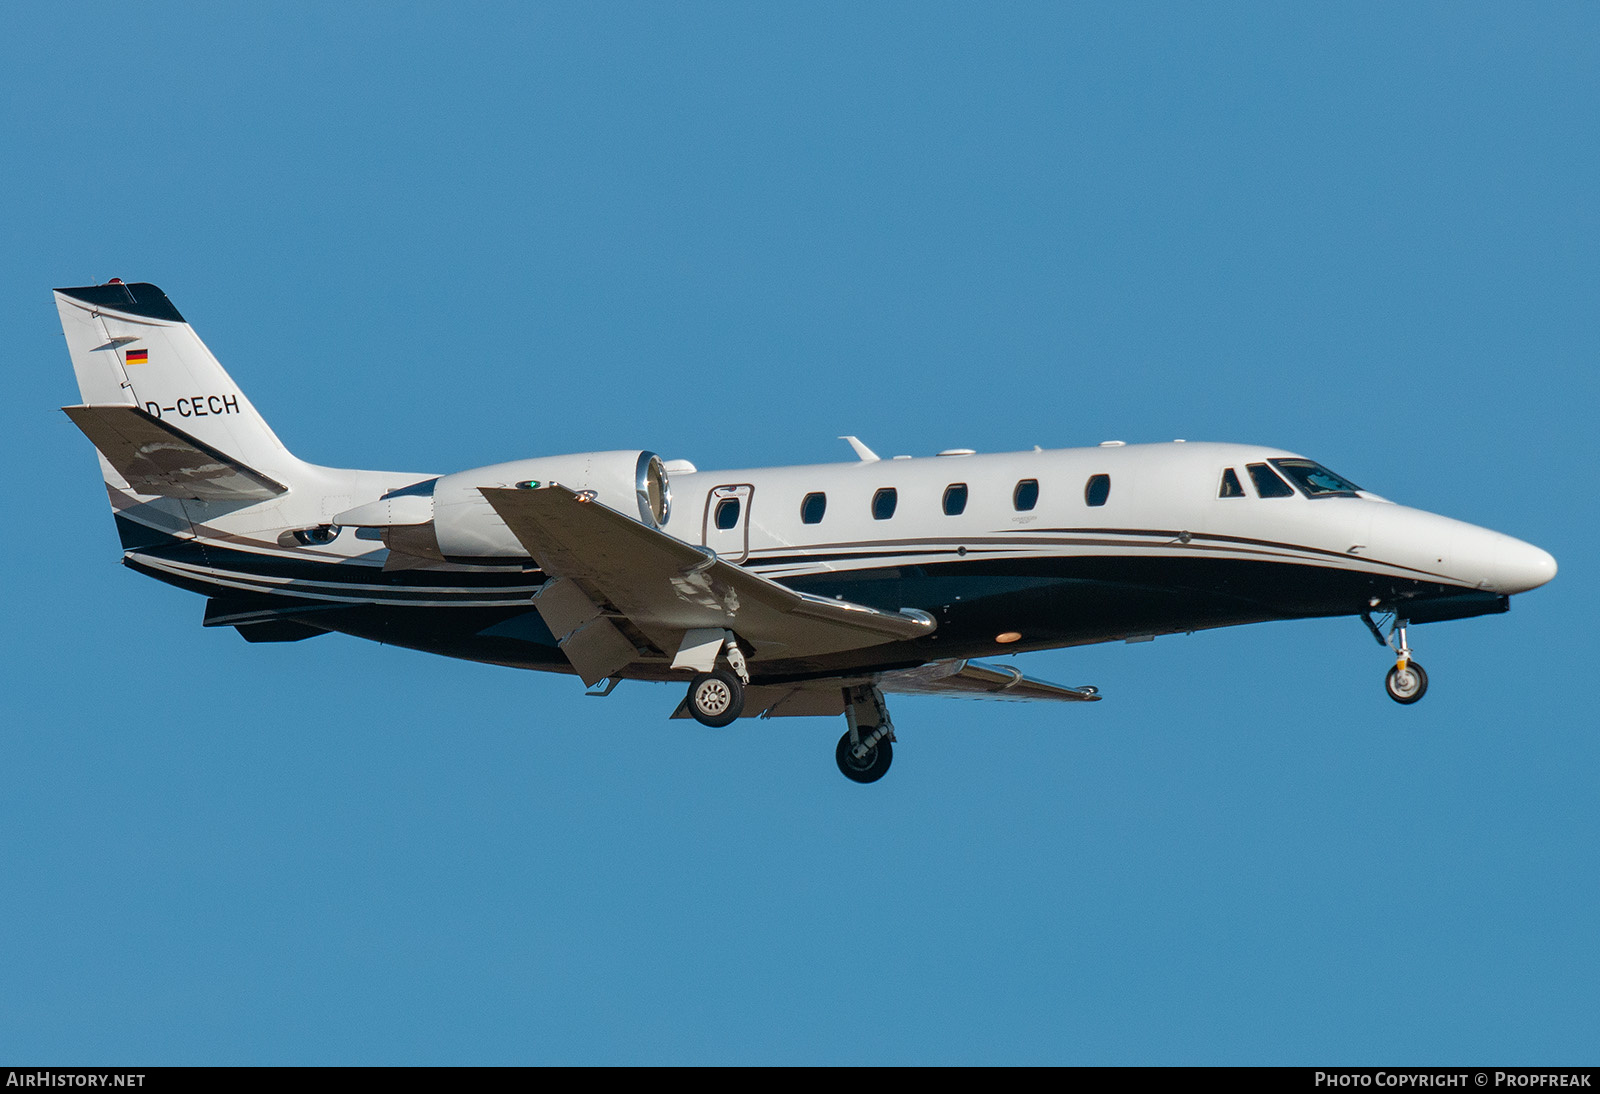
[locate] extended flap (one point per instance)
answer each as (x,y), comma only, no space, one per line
(977,680)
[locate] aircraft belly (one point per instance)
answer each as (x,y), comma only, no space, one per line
(1048,602)
(1052,603)
(495,636)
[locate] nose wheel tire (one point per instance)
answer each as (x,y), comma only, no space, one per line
(1406,685)
(870,768)
(716,698)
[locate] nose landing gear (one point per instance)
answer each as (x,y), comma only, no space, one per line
(1406,682)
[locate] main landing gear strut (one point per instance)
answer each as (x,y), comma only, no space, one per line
(867,748)
(1406,682)
(716,699)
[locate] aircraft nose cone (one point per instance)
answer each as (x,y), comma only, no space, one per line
(1533,567)
(1503,564)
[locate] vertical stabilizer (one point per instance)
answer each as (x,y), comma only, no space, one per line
(131,347)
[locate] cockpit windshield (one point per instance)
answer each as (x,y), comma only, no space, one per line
(1316,481)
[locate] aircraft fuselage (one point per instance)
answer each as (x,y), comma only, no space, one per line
(804,590)
(1163,551)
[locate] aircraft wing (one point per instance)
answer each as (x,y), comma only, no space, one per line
(667,588)
(161,460)
(977,680)
(965,679)
(806,699)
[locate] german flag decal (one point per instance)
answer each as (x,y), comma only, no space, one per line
(138,356)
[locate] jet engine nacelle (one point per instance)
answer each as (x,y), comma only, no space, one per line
(457,522)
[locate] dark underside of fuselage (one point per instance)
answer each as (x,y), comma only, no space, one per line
(1048,602)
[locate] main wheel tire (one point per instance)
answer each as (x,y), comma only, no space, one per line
(1408,686)
(868,770)
(716,698)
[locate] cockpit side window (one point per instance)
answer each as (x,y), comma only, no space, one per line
(1316,481)
(1230,485)
(1268,484)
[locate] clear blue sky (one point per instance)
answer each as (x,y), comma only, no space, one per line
(432,238)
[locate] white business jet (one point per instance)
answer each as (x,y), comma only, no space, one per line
(775,591)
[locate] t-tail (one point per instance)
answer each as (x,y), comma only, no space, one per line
(183,451)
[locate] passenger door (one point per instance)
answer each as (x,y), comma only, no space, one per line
(726,525)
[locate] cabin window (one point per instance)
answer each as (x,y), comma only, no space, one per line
(1097,489)
(1316,481)
(812,508)
(883,503)
(1230,485)
(1025,496)
(727,513)
(955,499)
(1268,484)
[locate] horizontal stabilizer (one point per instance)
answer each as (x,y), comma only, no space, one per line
(976,680)
(161,460)
(665,587)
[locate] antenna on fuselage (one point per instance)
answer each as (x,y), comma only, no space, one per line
(867,455)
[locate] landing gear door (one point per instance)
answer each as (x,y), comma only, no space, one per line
(727,521)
